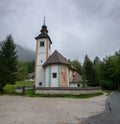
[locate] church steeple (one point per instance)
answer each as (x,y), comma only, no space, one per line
(43,32)
(43,51)
(44,29)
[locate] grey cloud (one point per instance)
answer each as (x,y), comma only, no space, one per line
(76,27)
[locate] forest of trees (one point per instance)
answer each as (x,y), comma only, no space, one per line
(104,73)
(25,68)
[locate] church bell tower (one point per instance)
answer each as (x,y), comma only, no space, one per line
(43,51)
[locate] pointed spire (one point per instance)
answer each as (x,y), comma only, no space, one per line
(43,32)
(44,27)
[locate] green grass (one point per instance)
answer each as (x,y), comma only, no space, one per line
(82,96)
(108,91)
(9,89)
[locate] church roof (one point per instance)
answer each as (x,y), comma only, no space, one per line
(56,58)
(43,34)
(76,78)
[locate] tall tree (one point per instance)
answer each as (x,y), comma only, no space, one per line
(89,72)
(8,62)
(77,66)
(96,65)
(96,60)
(22,71)
(31,66)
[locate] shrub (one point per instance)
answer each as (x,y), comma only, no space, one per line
(107,85)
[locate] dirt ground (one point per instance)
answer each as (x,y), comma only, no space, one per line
(28,110)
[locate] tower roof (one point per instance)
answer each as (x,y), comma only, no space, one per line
(56,58)
(43,33)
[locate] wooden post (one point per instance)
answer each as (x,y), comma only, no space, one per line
(33,89)
(23,90)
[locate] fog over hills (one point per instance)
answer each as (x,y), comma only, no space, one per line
(24,54)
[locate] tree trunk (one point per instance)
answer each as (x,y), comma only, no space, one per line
(1,90)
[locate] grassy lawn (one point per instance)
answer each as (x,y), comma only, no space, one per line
(9,89)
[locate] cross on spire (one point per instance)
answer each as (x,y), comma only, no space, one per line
(44,20)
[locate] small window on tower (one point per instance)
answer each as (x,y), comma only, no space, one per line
(54,75)
(41,43)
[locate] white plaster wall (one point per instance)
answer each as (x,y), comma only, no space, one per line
(54,81)
(47,76)
(41,52)
(41,49)
(49,80)
(70,73)
(49,49)
(41,59)
(73,85)
(76,85)
(39,76)
(70,76)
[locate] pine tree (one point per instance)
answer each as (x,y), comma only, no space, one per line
(96,60)
(89,72)
(8,62)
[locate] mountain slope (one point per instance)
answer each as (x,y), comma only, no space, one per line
(24,54)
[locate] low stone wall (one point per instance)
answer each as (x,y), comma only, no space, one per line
(60,90)
(70,90)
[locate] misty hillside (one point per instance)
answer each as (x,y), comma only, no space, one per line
(24,54)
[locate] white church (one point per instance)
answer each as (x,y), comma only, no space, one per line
(52,70)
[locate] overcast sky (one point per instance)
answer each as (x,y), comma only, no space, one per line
(76,27)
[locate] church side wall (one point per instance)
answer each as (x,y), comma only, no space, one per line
(64,77)
(47,77)
(54,81)
(50,81)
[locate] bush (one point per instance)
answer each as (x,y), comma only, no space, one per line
(107,85)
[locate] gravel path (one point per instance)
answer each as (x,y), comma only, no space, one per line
(27,110)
